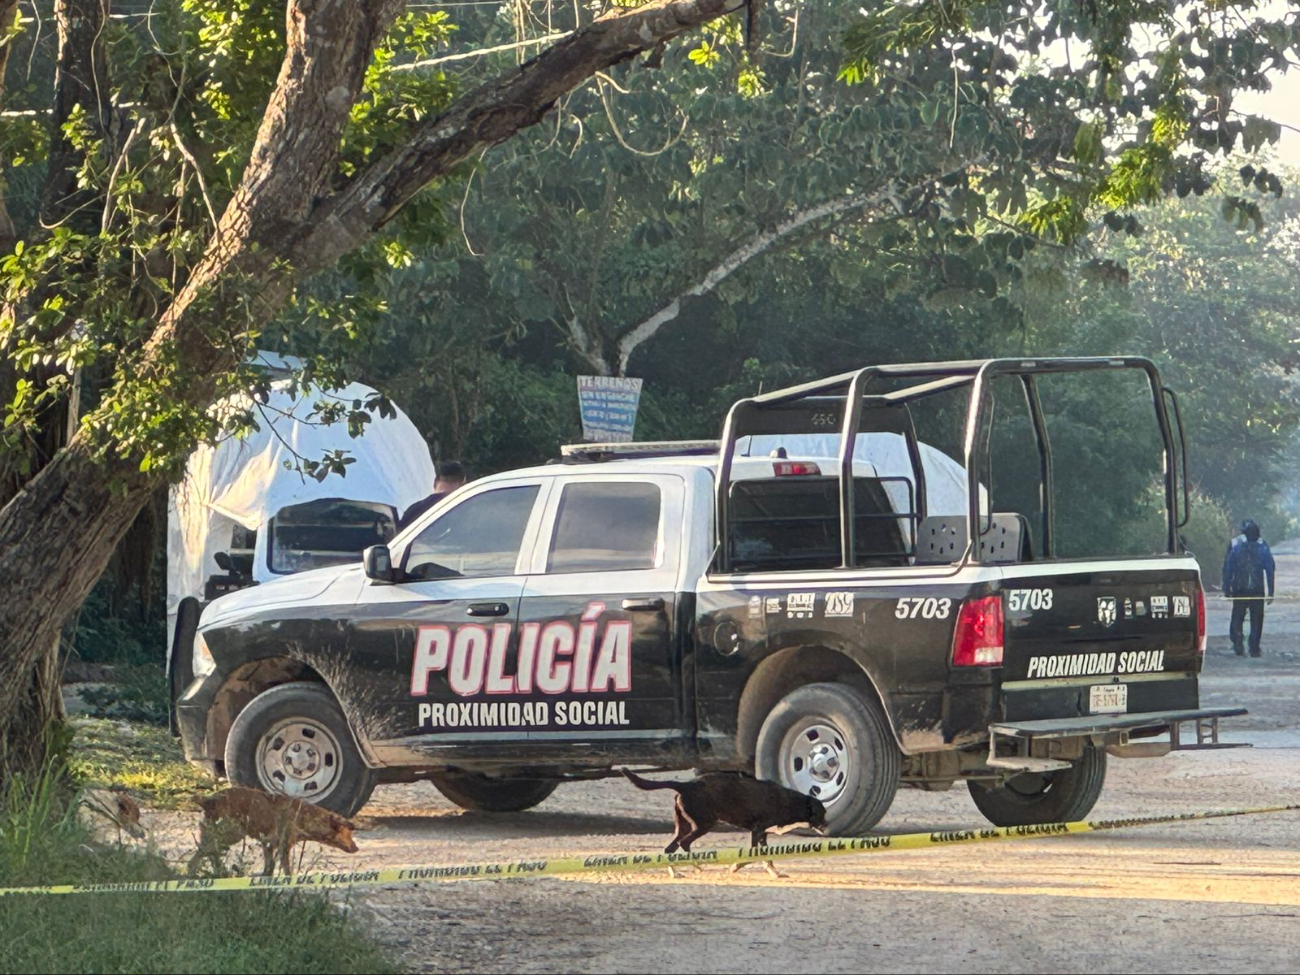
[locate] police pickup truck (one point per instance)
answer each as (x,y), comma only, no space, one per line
(844,620)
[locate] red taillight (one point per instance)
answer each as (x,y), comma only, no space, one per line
(977,641)
(1200,620)
(787,467)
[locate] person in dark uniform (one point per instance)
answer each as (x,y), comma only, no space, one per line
(1248,572)
(451,475)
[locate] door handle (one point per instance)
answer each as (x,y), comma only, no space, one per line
(488,609)
(643,605)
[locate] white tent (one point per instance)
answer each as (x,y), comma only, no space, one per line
(245,481)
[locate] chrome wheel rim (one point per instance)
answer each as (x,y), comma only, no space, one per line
(299,758)
(815,759)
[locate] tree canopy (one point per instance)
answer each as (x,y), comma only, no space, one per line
(792,187)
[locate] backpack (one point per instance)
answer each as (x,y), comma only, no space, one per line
(1247,569)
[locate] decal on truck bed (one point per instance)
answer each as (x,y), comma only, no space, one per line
(1094,664)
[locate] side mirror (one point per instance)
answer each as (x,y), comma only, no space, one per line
(378,562)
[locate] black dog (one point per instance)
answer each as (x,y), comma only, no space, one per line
(730,797)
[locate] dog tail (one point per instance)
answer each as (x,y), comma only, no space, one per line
(649,786)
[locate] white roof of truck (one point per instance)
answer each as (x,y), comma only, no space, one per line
(876,455)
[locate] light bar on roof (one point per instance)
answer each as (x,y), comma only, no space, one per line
(638,448)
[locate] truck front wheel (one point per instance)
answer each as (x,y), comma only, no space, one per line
(833,742)
(482,794)
(1044,797)
(294,739)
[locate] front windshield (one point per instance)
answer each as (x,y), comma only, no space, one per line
(326,532)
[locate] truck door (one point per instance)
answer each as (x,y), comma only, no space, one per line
(438,647)
(598,625)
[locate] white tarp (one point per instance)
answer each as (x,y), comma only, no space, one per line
(245,482)
(945,478)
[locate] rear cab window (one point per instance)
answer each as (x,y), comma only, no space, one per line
(606,526)
(793,523)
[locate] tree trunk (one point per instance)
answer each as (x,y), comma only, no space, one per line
(27,734)
(45,579)
(59,532)
(8,20)
(80,83)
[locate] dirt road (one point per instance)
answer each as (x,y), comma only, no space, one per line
(1194,897)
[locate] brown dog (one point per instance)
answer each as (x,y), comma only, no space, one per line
(277,822)
(731,797)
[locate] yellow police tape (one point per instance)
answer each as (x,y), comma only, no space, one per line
(627,862)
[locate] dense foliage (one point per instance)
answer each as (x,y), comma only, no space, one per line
(570,238)
(787,193)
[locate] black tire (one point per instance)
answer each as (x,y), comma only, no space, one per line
(1033,798)
(862,785)
(309,718)
(482,794)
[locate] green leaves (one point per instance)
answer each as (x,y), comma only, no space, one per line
(331,462)
(1242,213)
(704,54)
(1089,149)
(884,34)
(1258,133)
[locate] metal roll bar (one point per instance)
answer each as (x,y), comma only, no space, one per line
(835,404)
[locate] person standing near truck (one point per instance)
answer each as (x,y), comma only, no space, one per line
(1248,575)
(451,475)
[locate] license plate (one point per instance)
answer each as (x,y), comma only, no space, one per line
(1108,698)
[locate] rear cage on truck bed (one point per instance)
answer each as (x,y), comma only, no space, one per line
(820,407)
(837,405)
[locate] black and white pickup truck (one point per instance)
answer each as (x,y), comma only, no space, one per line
(819,621)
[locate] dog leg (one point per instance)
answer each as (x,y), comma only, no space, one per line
(210,848)
(268,858)
(698,831)
(680,828)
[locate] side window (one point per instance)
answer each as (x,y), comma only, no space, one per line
(479,537)
(605,527)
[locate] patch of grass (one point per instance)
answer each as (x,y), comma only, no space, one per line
(145,760)
(43,841)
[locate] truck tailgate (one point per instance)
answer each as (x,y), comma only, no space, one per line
(1112,641)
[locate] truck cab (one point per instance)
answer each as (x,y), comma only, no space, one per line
(830,620)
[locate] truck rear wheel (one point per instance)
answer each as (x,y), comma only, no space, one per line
(293,739)
(832,741)
(1044,797)
(482,794)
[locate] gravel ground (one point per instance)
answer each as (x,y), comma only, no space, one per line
(1221,895)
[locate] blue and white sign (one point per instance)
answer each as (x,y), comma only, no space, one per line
(608,405)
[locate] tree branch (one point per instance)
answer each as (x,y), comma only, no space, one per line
(741,256)
(293,161)
(479,52)
(489,115)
